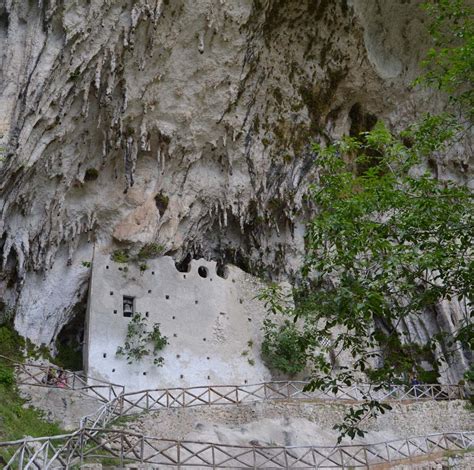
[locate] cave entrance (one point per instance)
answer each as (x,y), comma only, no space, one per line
(70,340)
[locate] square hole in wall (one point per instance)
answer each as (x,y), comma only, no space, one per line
(115,311)
(128,306)
(149,291)
(104,355)
(167,297)
(153,273)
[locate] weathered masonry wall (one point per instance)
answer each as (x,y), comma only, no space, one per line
(212,324)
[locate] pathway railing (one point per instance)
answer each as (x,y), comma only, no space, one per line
(43,452)
(37,375)
(146,400)
(93,442)
(123,447)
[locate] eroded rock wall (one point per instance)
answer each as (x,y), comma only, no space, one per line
(182,123)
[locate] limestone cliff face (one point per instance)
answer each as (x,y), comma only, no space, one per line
(185,123)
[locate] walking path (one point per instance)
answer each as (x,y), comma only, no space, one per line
(94,440)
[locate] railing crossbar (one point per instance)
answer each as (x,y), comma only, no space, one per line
(92,438)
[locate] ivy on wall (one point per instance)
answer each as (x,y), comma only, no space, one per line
(140,342)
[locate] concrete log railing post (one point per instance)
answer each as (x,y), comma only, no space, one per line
(408,448)
(22,454)
(121,451)
(366,458)
(341,458)
(178,454)
(121,404)
(142,449)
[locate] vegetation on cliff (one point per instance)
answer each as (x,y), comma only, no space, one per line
(17,419)
(391,241)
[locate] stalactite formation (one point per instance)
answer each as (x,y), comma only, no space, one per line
(213,104)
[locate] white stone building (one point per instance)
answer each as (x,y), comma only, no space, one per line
(213,324)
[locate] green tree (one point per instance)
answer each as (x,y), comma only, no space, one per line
(390,240)
(450,61)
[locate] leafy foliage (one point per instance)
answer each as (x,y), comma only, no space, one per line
(6,375)
(387,244)
(450,62)
(11,343)
(148,251)
(120,256)
(16,421)
(390,240)
(285,345)
(469,374)
(140,342)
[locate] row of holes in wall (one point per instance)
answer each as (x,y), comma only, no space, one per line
(128,305)
(202,271)
(175,335)
(182,376)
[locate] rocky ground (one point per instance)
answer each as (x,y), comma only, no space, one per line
(298,423)
(66,407)
(277,423)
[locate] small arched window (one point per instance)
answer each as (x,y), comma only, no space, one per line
(128,304)
(203,271)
